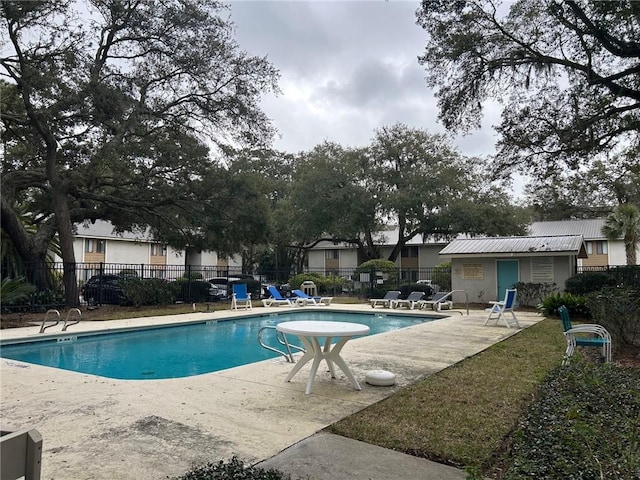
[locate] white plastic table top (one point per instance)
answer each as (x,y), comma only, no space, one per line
(315,328)
(309,331)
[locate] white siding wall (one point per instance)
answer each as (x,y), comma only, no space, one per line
(316,259)
(617,255)
(126,252)
(349,259)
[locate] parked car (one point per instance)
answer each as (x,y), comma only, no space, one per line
(103,289)
(223,285)
(217,293)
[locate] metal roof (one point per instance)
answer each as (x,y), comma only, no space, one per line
(589,229)
(104,229)
(567,244)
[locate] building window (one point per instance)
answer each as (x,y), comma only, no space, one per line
(409,252)
(332,254)
(92,245)
(601,248)
(158,250)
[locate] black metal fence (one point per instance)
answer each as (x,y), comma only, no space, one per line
(104,282)
(627,275)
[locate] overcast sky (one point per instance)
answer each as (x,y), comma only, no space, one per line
(347,68)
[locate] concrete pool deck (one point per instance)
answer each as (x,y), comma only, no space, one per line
(100,428)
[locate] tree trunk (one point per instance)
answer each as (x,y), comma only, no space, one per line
(32,251)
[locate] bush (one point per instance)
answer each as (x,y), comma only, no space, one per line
(441,276)
(405,290)
(379,265)
(573,431)
(192,275)
(192,290)
(588,282)
(531,294)
(234,469)
(576,305)
(618,310)
(149,291)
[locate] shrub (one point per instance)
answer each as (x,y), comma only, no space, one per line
(192,290)
(386,267)
(618,310)
(572,431)
(128,273)
(441,276)
(234,469)
(576,305)
(416,287)
(531,294)
(192,275)
(324,284)
(149,291)
(588,282)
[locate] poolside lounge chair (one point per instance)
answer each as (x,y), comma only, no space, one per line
(20,454)
(499,309)
(410,302)
(386,300)
(304,299)
(276,299)
(575,338)
(240,296)
(439,301)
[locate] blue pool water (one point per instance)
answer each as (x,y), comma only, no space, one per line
(180,351)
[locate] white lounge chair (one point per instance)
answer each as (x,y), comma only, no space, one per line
(386,300)
(410,302)
(439,301)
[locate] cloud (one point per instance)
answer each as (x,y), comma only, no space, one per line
(347,68)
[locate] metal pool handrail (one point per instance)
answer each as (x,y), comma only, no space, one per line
(282,339)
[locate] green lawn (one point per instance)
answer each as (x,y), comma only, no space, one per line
(462,415)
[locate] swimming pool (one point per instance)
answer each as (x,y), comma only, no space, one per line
(180,350)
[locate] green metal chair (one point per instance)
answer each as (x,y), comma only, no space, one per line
(575,335)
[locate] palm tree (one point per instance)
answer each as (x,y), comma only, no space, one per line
(624,222)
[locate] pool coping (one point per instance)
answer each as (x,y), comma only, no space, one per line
(105,428)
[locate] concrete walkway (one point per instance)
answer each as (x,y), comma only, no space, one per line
(101,428)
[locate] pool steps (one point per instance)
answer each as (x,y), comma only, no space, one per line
(66,323)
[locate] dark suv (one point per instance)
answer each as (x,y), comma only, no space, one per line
(103,289)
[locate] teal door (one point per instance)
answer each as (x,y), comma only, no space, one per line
(508,274)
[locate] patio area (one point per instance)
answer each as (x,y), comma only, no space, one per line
(100,428)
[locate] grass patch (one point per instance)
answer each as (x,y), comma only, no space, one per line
(462,415)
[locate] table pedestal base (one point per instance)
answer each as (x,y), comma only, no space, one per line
(317,353)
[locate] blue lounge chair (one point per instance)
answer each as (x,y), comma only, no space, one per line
(575,337)
(304,299)
(410,302)
(240,296)
(386,300)
(276,299)
(499,309)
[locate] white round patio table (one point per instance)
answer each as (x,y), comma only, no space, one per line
(309,332)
